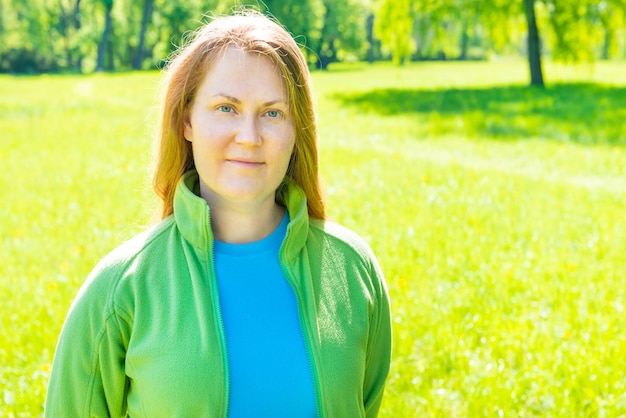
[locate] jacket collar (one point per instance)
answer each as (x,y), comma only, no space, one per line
(192,215)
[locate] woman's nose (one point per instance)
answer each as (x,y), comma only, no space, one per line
(248,132)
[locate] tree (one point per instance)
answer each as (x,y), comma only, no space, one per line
(51,35)
(77,27)
(393,25)
(611,14)
(302,18)
(69,23)
(106,32)
(371,41)
(534,47)
(172,21)
(29,41)
(579,27)
(443,28)
(342,32)
(145,19)
(1,18)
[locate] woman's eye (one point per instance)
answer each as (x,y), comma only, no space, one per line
(225,108)
(273,113)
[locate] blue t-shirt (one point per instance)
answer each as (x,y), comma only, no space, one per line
(270,373)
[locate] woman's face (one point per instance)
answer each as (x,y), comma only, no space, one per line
(241,129)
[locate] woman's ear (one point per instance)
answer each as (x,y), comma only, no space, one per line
(187,131)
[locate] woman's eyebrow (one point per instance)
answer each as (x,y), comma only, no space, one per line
(226,96)
(273,102)
(237,101)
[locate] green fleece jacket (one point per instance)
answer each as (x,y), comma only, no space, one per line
(144,337)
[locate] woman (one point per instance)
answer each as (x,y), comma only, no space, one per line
(242,301)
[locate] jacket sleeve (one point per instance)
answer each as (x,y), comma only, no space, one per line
(379,346)
(88,377)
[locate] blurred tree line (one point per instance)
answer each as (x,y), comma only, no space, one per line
(96,35)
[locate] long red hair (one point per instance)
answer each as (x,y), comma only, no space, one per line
(251,32)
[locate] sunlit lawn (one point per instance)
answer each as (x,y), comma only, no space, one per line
(497,212)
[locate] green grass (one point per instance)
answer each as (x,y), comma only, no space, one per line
(496,211)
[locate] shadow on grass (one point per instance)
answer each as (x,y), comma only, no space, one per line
(582,113)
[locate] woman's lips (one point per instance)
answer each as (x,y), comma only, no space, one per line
(245,163)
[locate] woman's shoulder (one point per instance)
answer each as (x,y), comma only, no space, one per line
(341,238)
(344,258)
(114,267)
(139,245)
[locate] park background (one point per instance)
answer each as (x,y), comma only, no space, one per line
(478,146)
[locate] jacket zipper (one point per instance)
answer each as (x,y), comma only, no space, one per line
(307,341)
(222,332)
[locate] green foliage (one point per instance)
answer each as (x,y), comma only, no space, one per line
(172,22)
(441,26)
(611,16)
(582,30)
(71,35)
(32,51)
(572,29)
(27,60)
(394,27)
(328,30)
(303,19)
(496,211)
(36,36)
(342,34)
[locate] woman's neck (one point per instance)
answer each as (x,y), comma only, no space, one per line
(239,225)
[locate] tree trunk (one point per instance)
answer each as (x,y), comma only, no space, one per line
(324,53)
(65,32)
(534,46)
(606,46)
(102,47)
(110,55)
(464,41)
(370,38)
(77,26)
(145,18)
(608,36)
(327,56)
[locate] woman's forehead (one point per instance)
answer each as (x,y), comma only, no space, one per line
(240,74)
